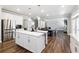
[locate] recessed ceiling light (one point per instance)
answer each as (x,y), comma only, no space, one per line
(42,11)
(47,14)
(29,13)
(38,17)
(18,9)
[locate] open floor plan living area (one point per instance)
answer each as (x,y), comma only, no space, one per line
(39,28)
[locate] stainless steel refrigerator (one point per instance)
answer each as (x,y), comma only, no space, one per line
(6,30)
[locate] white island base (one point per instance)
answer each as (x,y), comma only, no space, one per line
(32,41)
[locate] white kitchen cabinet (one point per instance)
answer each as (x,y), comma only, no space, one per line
(31,43)
(19,39)
(46,35)
(74,45)
(22,40)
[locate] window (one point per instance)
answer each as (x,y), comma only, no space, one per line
(77,25)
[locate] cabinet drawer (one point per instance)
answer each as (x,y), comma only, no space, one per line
(24,36)
(32,37)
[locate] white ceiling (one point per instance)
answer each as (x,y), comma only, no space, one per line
(52,11)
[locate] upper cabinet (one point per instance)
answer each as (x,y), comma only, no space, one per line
(77,25)
(15,19)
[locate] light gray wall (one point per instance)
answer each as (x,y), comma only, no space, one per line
(40,23)
(25,23)
(57,23)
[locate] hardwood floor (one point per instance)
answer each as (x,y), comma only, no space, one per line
(57,44)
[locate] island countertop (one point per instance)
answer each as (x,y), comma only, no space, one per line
(29,32)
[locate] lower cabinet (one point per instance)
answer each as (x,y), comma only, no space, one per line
(31,43)
(74,45)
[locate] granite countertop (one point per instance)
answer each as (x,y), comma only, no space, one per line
(29,32)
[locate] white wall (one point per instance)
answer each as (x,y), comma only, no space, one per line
(25,21)
(57,23)
(27,24)
(30,24)
(77,26)
(41,23)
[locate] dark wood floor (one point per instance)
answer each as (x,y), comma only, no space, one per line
(56,44)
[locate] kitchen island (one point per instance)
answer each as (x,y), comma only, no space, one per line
(32,41)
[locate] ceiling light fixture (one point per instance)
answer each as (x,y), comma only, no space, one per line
(29,13)
(42,11)
(18,9)
(47,15)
